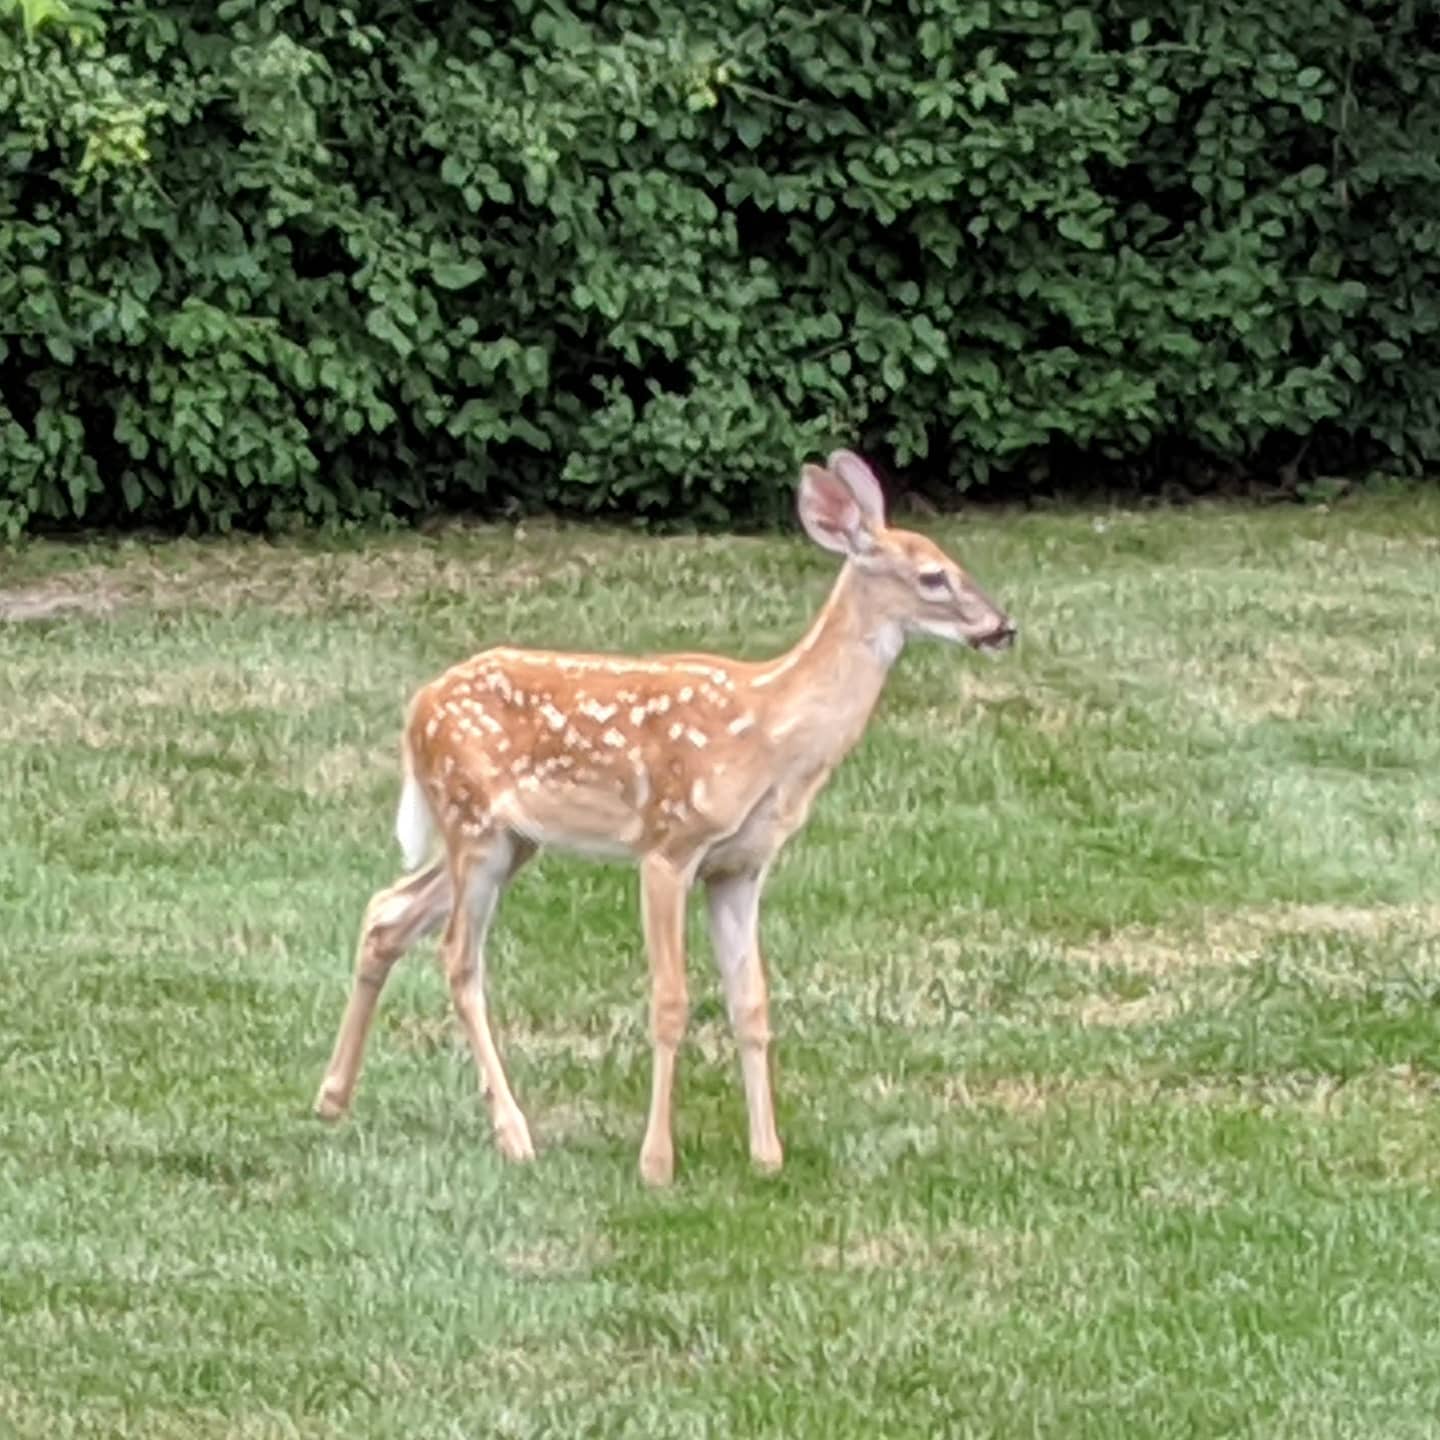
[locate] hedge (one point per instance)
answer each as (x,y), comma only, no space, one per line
(295,261)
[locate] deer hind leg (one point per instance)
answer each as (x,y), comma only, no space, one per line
(734,906)
(479,877)
(662,896)
(394,920)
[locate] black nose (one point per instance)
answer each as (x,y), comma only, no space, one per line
(1002,637)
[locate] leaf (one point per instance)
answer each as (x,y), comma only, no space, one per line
(457,274)
(750,128)
(1072,227)
(381,325)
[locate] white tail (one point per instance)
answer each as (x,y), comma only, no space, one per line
(694,767)
(414,824)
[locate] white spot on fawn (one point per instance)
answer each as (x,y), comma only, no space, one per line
(614,738)
(697,738)
(554,718)
(740,724)
(637,714)
(596,711)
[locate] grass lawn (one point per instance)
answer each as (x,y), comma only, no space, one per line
(1106,981)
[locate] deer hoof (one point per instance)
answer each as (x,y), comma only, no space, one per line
(330,1106)
(657,1167)
(513,1140)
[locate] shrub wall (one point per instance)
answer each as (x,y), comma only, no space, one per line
(296,260)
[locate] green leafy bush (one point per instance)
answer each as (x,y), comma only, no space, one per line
(287,261)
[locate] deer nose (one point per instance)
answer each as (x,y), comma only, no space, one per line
(1002,637)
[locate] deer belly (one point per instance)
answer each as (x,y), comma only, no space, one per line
(767,825)
(589,820)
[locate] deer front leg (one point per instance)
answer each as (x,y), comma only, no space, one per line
(734,904)
(662,908)
(394,920)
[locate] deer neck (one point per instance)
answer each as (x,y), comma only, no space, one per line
(820,693)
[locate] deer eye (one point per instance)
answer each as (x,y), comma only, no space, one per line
(933,580)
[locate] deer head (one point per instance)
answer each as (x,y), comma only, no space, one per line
(907,579)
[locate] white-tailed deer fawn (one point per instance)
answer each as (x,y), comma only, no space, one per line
(695,767)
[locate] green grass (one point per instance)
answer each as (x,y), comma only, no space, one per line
(1106,979)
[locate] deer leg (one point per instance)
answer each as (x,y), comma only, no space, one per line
(394,920)
(734,905)
(662,908)
(479,882)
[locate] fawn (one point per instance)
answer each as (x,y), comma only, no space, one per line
(691,766)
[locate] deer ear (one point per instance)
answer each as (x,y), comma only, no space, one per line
(863,485)
(830,513)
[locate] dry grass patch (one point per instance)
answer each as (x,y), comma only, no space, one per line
(623,1034)
(1240,937)
(286,579)
(1305,669)
(347,767)
(54,715)
(973,693)
(102,711)
(553,1258)
(469,562)
(85,594)
(1285,682)
(1392,1088)
(999,1256)
(570,1122)
(1141,1010)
